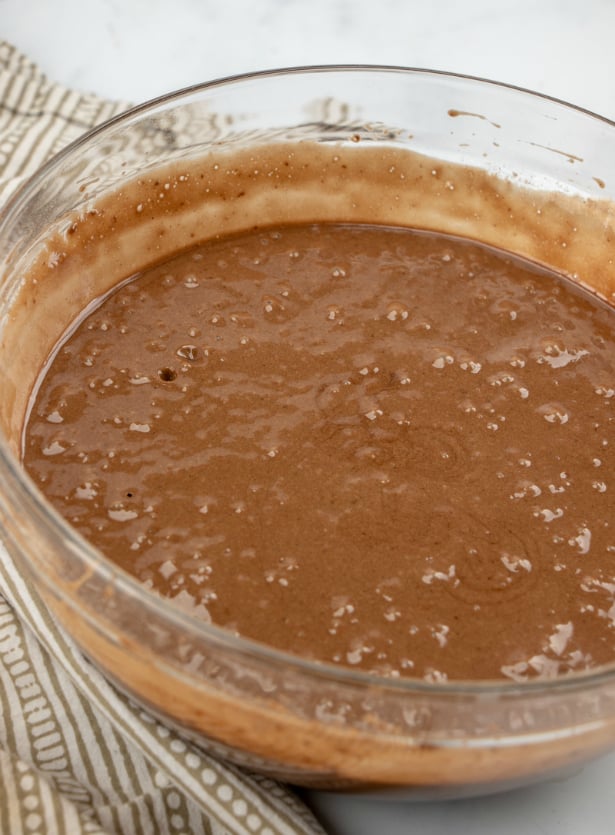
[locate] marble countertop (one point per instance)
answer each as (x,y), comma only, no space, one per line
(140,49)
(143,48)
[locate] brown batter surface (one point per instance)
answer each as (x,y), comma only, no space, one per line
(366,445)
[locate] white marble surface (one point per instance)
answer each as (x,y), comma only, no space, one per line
(564,48)
(141,48)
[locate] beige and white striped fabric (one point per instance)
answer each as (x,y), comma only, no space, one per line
(76,756)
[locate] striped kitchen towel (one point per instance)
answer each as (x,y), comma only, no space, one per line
(77,756)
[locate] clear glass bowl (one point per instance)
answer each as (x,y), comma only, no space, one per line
(305,722)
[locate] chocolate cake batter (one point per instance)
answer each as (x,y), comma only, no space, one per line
(366,445)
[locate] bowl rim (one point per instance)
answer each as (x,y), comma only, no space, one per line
(23,495)
(23,190)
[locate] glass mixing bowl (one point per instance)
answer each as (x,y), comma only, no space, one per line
(481,154)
